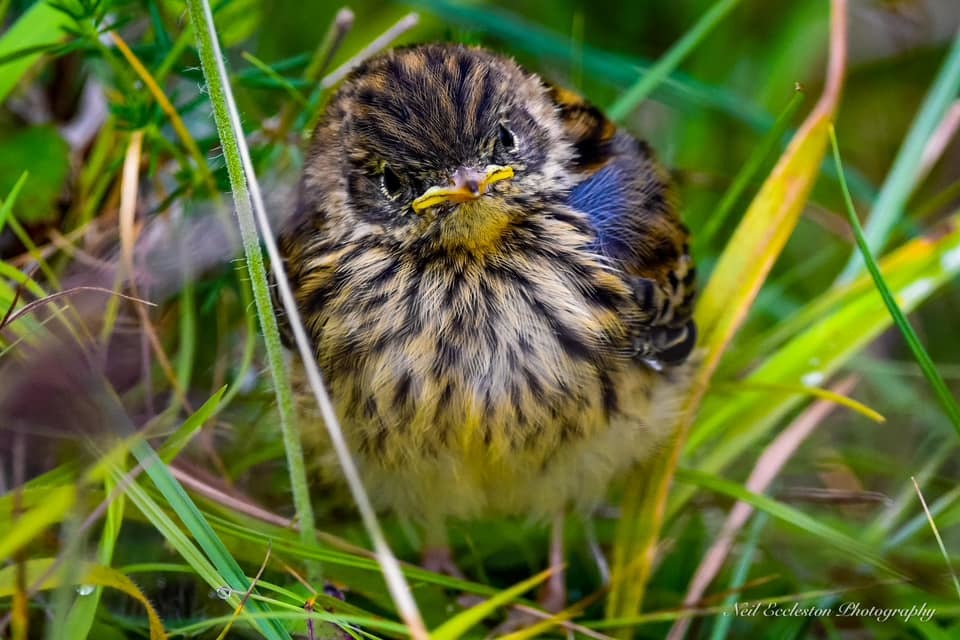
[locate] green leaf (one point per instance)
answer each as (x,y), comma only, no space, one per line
(30,36)
(46,156)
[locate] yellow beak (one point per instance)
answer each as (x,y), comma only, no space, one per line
(468,184)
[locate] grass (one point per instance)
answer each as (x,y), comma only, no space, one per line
(888,210)
(944,397)
(192,507)
(657,73)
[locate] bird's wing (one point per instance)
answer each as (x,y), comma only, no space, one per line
(627,198)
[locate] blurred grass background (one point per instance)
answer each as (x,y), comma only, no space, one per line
(705,122)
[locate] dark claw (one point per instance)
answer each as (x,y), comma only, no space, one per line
(665,346)
(679,345)
(644,289)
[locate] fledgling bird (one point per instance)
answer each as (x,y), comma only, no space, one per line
(496,283)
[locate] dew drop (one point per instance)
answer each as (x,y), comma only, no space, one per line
(84,589)
(224,592)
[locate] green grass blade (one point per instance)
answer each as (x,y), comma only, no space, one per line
(217,82)
(790,516)
(249,344)
(458,625)
(7,209)
(920,521)
(802,389)
(171,532)
(671,59)
(740,573)
(831,338)
(271,73)
(201,530)
(284,542)
(83,610)
(740,273)
(936,534)
(933,376)
(195,629)
(188,335)
(185,432)
(221,570)
(901,181)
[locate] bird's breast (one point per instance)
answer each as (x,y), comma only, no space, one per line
(492,354)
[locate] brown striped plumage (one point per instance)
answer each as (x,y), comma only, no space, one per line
(500,351)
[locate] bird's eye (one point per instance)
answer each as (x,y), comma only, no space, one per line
(390,183)
(508,140)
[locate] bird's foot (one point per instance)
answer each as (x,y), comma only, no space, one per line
(552,597)
(440,560)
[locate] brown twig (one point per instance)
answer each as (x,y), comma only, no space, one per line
(31,306)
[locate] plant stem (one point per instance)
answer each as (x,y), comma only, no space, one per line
(250,203)
(216,85)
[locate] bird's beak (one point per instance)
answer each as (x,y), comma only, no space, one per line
(467,184)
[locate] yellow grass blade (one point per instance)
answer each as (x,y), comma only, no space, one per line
(29,525)
(741,271)
(90,575)
(800,390)
(456,626)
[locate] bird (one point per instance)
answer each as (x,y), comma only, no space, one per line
(497,286)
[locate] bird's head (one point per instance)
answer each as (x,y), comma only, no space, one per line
(440,141)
